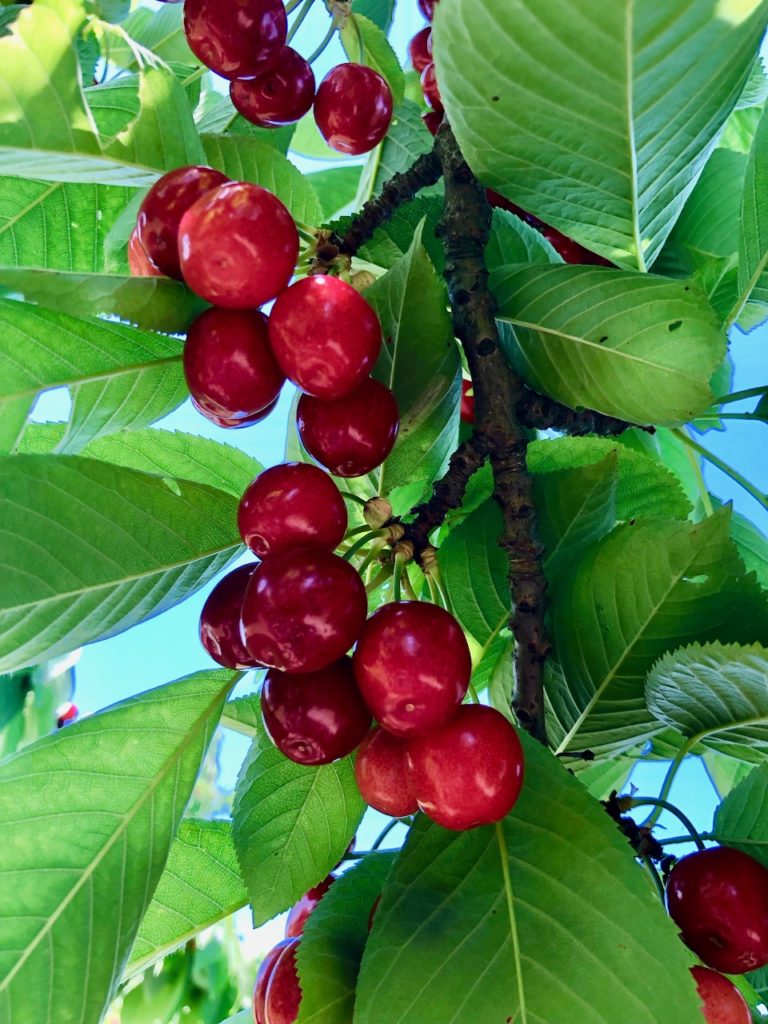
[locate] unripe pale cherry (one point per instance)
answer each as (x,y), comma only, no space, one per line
(220,620)
(139,263)
(325,336)
(468,772)
(722,1001)
(420,49)
(383,775)
(283,998)
(353,108)
(238,246)
(300,912)
(236,40)
(279,97)
(266,967)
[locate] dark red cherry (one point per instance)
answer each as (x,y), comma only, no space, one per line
(469,772)
(420,48)
(303,610)
(723,1003)
(139,263)
(266,967)
(220,620)
(300,912)
(238,246)
(353,108)
(430,89)
(412,665)
(467,411)
(427,8)
(281,96)
(383,776)
(432,119)
(291,504)
(160,214)
(315,717)
(352,435)
(229,365)
(236,39)
(283,998)
(325,336)
(571,251)
(66,714)
(227,421)
(718,898)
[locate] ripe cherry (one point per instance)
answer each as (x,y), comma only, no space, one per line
(291,504)
(236,40)
(353,108)
(229,365)
(315,717)
(412,665)
(303,609)
(266,967)
(299,914)
(718,898)
(420,48)
(220,620)
(427,8)
(432,119)
(139,263)
(723,1003)
(238,246)
(430,89)
(283,999)
(160,214)
(571,251)
(66,714)
(228,422)
(325,336)
(383,776)
(467,410)
(352,435)
(281,96)
(469,772)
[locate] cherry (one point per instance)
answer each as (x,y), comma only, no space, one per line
(236,40)
(220,620)
(238,246)
(281,96)
(718,898)
(299,914)
(430,89)
(723,1003)
(66,714)
(571,251)
(228,422)
(139,263)
(352,435)
(420,48)
(303,609)
(353,108)
(229,365)
(283,998)
(467,410)
(383,776)
(291,504)
(412,665)
(266,967)
(160,214)
(470,771)
(325,336)
(427,8)
(432,119)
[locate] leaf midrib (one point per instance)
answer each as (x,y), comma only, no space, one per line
(113,374)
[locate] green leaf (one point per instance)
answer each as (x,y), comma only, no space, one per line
(307,141)
(243,714)
(753,242)
(514,241)
(8,14)
(292,824)
(716,695)
(575,934)
(111,10)
(336,189)
(603,778)
(407,138)
(82,866)
(379,11)
(635,346)
(755,92)
(393,239)
(724,772)
(360,32)
(161,31)
(601,133)
(741,820)
(29,701)
(93,549)
(752,545)
(200,885)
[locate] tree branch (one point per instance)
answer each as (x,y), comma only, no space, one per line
(542,413)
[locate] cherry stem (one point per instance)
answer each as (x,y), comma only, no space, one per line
(379,580)
(349,496)
(305,9)
(388,828)
(358,530)
(724,467)
(372,554)
(739,396)
(360,40)
(473,693)
(706,500)
(408,586)
(708,837)
(650,867)
(323,43)
(666,785)
(665,805)
(434,591)
(361,543)
(399,569)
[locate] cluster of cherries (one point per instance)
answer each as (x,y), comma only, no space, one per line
(420,52)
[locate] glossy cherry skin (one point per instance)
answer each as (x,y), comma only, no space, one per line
(283,999)
(427,8)
(157,225)
(237,39)
(220,620)
(352,435)
(228,422)
(420,48)
(469,772)
(353,108)
(315,717)
(718,898)
(139,263)
(281,96)
(383,775)
(266,967)
(238,246)
(723,1003)
(432,119)
(303,610)
(467,410)
(66,714)
(325,336)
(299,914)
(291,504)
(430,89)
(228,363)
(412,665)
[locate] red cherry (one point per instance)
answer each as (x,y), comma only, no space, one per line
(236,40)
(229,365)
(66,714)
(383,776)
(283,998)
(160,214)
(432,119)
(315,717)
(266,967)
(571,251)
(220,620)
(303,609)
(291,504)
(352,435)
(470,771)
(723,1003)
(430,89)
(226,421)
(299,914)
(427,8)
(467,410)
(139,263)
(718,898)
(325,336)
(281,96)
(420,48)
(238,246)
(412,665)
(353,108)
